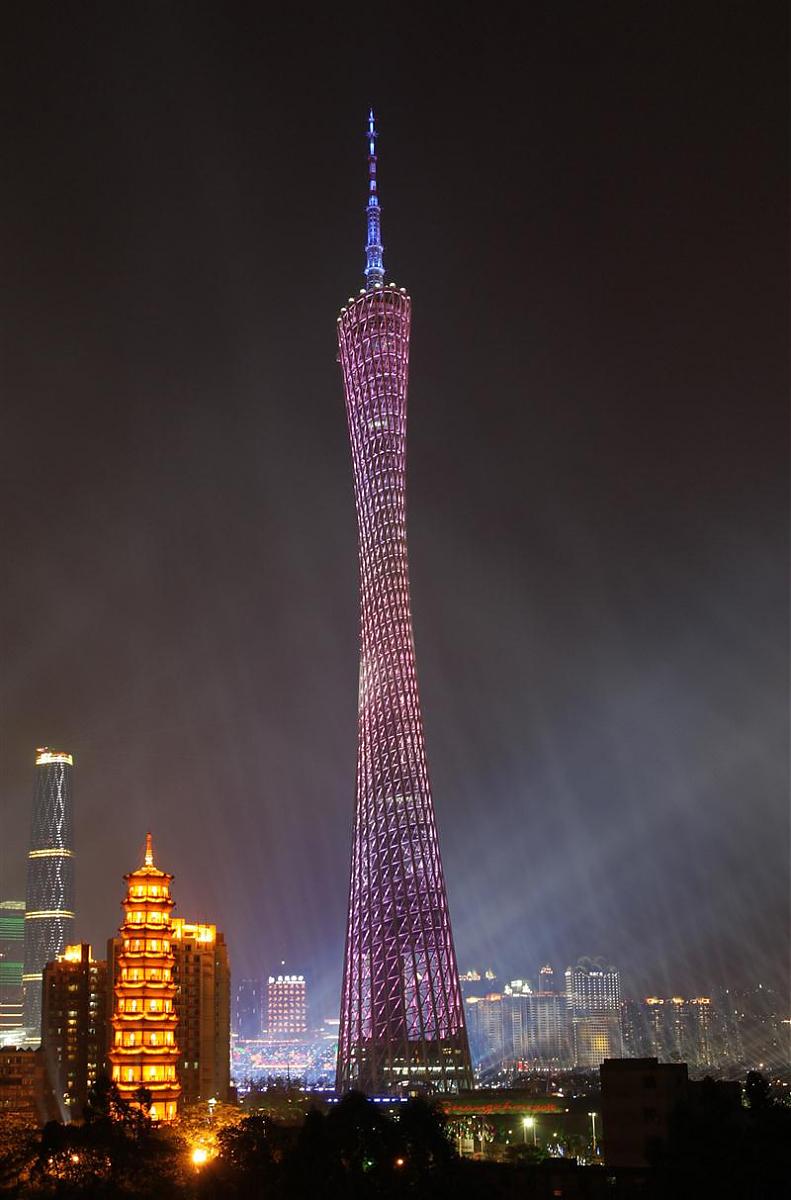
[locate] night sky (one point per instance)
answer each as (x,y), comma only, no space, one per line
(587,204)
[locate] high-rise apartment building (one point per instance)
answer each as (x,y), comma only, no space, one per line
(634,1034)
(593,999)
(700,1046)
(486,1026)
(402,1019)
(74,1027)
(679,1030)
(144,1051)
(248,1016)
(478,983)
(546,980)
(592,987)
(49,910)
(203,1007)
(518,1028)
(550,1045)
(518,1020)
(23,1088)
(286,1005)
(12,946)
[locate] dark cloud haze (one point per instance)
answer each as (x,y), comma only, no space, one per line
(587,204)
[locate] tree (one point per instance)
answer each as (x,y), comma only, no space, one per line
(360,1137)
(423,1132)
(757,1092)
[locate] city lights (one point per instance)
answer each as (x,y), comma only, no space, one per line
(45,757)
(595,544)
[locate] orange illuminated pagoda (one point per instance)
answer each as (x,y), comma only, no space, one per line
(144,1050)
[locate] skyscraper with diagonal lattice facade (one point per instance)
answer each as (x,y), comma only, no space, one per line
(49,909)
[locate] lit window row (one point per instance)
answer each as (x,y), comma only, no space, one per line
(149,890)
(133,1005)
(153,1038)
(147,945)
(141,1075)
(147,974)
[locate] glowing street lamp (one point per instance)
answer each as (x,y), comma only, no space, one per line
(529,1123)
(200,1156)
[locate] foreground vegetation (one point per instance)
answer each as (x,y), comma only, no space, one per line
(356,1150)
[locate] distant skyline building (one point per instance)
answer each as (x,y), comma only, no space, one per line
(286,1005)
(550,1042)
(49,908)
(12,949)
(402,1018)
(677,1030)
(546,979)
(517,1028)
(74,1027)
(486,1027)
(478,983)
(518,1019)
(593,999)
(249,1009)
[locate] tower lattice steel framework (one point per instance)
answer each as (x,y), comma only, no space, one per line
(402,1019)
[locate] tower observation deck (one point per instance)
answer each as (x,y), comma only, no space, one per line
(402,1020)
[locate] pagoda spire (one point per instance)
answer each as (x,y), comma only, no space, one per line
(374,250)
(149,859)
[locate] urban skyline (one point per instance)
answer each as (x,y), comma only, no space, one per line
(548,1023)
(595,510)
(514,971)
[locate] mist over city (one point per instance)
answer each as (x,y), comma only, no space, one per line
(237,251)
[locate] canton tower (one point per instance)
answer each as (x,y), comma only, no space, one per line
(402,1019)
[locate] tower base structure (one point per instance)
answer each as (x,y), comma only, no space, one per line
(421,1068)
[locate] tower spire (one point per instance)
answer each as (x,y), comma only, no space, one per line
(149,858)
(374,250)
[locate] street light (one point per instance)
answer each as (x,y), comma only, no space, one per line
(529,1123)
(593,1116)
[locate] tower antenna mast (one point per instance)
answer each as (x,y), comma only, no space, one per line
(374,250)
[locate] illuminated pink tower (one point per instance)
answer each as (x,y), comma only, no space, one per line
(402,1019)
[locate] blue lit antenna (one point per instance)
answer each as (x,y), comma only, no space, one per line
(374,251)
